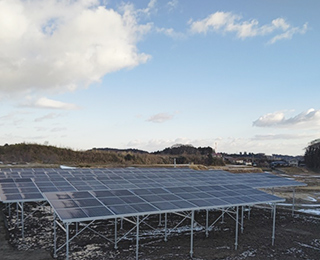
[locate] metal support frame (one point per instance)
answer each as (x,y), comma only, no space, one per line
(191,235)
(137,239)
(20,222)
(236,219)
(134,227)
(10,210)
(237,227)
(24,217)
(66,229)
(138,220)
(165,226)
(185,216)
(207,222)
(271,206)
(212,225)
(273,223)
(17,211)
(242,211)
(115,233)
(222,217)
(67,241)
(54,235)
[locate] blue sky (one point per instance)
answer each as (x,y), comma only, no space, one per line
(234,75)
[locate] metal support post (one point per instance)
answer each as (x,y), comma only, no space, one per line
(77,227)
(165,226)
(237,227)
(272,206)
(121,223)
(249,212)
(137,240)
(54,236)
(159,220)
(207,223)
(274,223)
(17,209)
(293,200)
(191,236)
(9,210)
(222,217)
(115,233)
(67,241)
(242,210)
(22,221)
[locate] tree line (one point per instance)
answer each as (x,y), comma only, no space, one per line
(312,155)
(24,153)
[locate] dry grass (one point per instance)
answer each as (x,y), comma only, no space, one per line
(237,168)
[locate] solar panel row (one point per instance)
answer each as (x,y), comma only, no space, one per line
(19,190)
(128,179)
(91,205)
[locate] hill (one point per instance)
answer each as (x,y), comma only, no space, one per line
(24,153)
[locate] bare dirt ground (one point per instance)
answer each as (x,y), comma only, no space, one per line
(297,237)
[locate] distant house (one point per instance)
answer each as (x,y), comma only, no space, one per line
(239,162)
(294,163)
(279,164)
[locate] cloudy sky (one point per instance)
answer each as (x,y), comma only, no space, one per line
(234,75)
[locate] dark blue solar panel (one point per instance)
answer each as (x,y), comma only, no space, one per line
(165,206)
(132,199)
(123,209)
(188,196)
(111,201)
(80,195)
(200,202)
(87,202)
(71,214)
(144,207)
(97,211)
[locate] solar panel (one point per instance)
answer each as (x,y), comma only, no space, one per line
(93,212)
(17,190)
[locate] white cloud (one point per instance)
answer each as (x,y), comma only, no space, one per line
(61,45)
(288,34)
(151,7)
(270,119)
(281,137)
(308,119)
(58,129)
(170,32)
(47,117)
(13,118)
(9,116)
(225,22)
(160,118)
(172,4)
(44,102)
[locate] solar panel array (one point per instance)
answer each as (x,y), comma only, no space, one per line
(105,204)
(22,189)
(39,181)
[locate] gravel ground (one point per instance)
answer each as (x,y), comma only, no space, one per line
(297,236)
